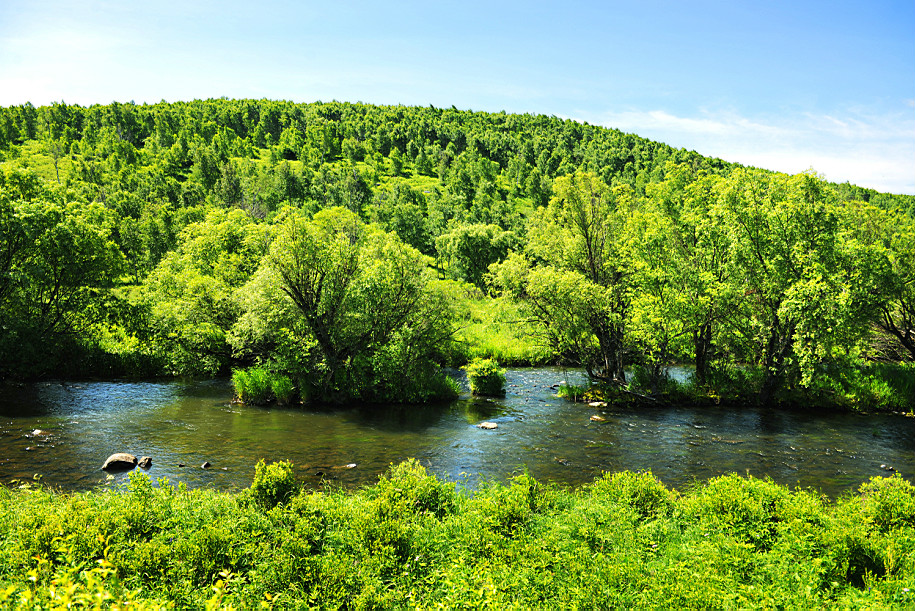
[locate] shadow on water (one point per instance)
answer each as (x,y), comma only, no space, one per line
(64,431)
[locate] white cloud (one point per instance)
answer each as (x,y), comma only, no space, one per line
(864,148)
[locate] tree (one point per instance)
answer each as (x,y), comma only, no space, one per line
(56,263)
(374,318)
(789,257)
(885,264)
(575,279)
(681,252)
(471,248)
(191,293)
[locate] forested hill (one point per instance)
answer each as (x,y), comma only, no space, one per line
(168,238)
(183,148)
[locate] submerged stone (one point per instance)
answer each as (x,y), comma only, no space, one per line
(145,462)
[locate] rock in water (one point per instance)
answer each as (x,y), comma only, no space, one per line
(145,462)
(206,465)
(488,426)
(121,461)
(597,418)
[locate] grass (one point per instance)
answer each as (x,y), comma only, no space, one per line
(862,387)
(412,540)
(494,329)
(259,386)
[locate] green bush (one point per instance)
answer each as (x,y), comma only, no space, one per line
(407,487)
(641,491)
(485,377)
(413,541)
(273,484)
(889,502)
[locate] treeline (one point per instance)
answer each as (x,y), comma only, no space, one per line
(344,247)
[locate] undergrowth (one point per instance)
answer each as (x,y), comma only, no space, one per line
(411,540)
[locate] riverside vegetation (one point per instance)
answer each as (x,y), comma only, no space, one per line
(624,541)
(349,251)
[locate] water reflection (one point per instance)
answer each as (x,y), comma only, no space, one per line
(63,432)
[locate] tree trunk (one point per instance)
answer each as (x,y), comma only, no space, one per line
(702,341)
(778,347)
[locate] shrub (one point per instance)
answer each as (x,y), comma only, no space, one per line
(273,484)
(485,377)
(408,488)
(889,502)
(748,508)
(641,491)
(571,392)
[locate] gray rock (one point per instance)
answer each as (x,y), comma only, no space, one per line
(206,465)
(121,461)
(145,462)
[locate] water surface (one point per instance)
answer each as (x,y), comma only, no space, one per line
(63,432)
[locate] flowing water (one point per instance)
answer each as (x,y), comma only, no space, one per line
(63,432)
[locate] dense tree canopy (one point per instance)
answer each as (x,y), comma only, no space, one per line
(330,241)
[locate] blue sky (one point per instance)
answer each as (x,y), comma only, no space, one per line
(780,85)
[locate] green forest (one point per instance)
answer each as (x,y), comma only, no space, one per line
(329,252)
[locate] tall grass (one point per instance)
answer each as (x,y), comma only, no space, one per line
(626,541)
(259,386)
(495,329)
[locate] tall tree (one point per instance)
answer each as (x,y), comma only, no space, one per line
(574,280)
(789,256)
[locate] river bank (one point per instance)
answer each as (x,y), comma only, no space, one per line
(411,540)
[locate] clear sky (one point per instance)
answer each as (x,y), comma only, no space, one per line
(781,85)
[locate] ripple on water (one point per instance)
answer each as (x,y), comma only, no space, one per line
(189,423)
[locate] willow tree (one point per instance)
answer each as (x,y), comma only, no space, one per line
(791,257)
(574,279)
(57,260)
(679,253)
(372,314)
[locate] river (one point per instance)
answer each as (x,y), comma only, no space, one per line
(62,432)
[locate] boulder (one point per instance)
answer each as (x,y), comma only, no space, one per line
(488,426)
(121,461)
(206,465)
(145,462)
(598,418)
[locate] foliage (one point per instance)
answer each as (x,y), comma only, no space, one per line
(273,484)
(260,385)
(485,377)
(411,540)
(579,295)
(253,385)
(150,239)
(191,293)
(495,329)
(373,315)
(471,248)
